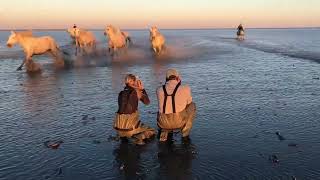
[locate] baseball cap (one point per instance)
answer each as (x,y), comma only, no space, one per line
(172,72)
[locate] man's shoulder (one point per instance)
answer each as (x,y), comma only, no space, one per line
(185,86)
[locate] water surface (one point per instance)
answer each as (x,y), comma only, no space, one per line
(245,92)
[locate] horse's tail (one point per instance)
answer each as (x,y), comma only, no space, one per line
(129,40)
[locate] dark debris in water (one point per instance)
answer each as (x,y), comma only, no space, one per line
(316,78)
(280,137)
(87,118)
(53,144)
(274,159)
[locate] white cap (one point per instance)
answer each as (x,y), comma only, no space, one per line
(172,72)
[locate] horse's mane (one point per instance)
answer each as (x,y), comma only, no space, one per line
(25,33)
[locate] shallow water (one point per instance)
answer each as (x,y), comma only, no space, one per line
(245,92)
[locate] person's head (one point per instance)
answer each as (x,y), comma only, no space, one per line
(74,26)
(172,74)
(130,80)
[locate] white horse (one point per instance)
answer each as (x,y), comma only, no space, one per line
(34,46)
(127,37)
(240,35)
(157,40)
(117,40)
(84,39)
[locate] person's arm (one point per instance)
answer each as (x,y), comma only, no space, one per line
(143,96)
(120,103)
(189,96)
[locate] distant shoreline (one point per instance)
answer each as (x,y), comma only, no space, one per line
(98,29)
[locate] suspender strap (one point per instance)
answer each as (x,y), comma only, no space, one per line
(165,99)
(172,96)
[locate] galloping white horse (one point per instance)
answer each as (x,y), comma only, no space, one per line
(33,46)
(157,40)
(84,39)
(117,39)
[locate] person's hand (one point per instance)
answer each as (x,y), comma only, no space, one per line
(139,85)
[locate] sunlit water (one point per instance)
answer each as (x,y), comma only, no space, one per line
(245,92)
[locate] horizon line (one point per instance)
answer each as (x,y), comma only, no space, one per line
(139,29)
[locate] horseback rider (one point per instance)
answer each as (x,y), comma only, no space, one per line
(240,28)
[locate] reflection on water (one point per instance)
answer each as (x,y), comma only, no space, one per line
(175,161)
(128,160)
(40,92)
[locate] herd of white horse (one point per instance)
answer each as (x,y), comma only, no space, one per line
(83,40)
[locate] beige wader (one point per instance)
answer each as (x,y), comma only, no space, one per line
(129,125)
(181,121)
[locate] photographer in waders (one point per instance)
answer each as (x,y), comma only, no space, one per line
(176,109)
(127,122)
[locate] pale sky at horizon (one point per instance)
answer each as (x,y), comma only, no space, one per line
(56,14)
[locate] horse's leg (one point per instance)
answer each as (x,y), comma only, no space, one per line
(154,49)
(23,62)
(125,50)
(96,53)
(160,50)
(28,57)
(114,51)
(58,60)
(78,47)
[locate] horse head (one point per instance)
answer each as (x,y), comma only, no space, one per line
(112,31)
(153,31)
(76,32)
(72,31)
(13,39)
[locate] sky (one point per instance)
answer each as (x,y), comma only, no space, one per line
(171,14)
